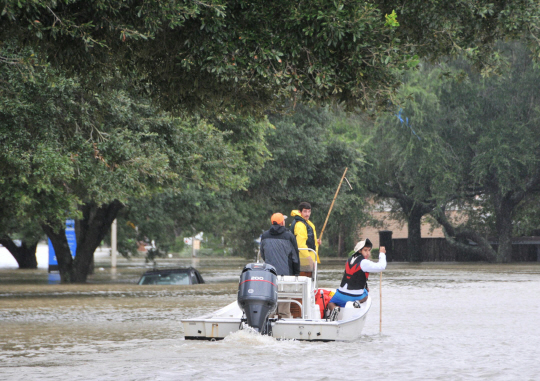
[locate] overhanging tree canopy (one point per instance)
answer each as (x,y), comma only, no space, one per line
(244,54)
(220,53)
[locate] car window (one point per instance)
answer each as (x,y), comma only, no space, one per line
(194,279)
(174,278)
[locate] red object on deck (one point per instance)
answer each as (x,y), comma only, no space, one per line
(322,300)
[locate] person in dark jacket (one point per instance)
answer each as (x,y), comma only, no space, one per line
(279,249)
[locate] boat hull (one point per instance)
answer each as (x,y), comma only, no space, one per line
(223,322)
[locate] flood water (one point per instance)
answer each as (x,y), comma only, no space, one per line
(439,322)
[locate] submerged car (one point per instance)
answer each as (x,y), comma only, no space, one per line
(172,276)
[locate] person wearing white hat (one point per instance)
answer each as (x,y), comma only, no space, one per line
(354,282)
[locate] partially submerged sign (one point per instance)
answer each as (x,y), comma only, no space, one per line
(72,242)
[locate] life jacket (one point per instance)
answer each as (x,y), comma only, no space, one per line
(323,300)
(311,235)
(354,277)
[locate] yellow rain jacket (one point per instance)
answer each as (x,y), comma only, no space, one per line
(307,258)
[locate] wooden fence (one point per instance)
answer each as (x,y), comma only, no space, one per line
(438,250)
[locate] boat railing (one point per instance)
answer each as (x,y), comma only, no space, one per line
(314,273)
(297,290)
(305,294)
(315,267)
(299,304)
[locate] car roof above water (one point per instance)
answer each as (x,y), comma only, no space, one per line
(166,271)
(184,276)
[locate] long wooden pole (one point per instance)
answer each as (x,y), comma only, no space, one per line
(114,245)
(332,205)
(380,301)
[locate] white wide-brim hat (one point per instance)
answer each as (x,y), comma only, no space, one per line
(360,245)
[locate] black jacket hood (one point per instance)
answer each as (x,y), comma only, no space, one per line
(277,229)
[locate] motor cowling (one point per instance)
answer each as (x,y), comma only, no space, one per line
(257,294)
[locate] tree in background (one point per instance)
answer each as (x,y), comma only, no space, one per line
(172,214)
(74,152)
(527,216)
(21,237)
(309,148)
(407,152)
(498,124)
(104,142)
(309,154)
(465,142)
(215,59)
(33,169)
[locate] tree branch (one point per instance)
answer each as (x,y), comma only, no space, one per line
(454,234)
(8,243)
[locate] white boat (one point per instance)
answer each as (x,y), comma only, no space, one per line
(309,326)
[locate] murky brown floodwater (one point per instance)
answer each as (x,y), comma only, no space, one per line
(440,322)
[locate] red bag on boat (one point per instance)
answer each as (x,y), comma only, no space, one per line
(322,299)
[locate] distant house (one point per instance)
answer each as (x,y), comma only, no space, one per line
(384,221)
(435,247)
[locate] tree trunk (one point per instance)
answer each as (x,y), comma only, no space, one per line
(25,255)
(414,211)
(503,223)
(62,252)
(414,238)
(90,231)
(340,242)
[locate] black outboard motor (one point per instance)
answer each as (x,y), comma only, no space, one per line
(257,295)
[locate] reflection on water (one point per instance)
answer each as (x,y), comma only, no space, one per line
(54,278)
(439,322)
